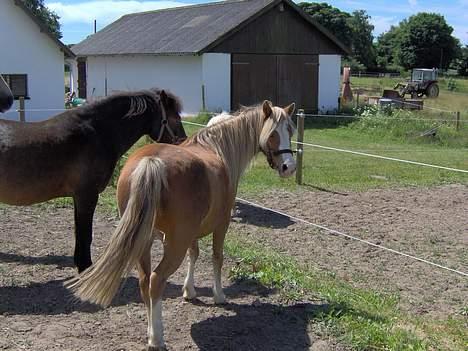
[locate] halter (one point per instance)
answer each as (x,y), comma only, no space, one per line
(165,125)
(269,155)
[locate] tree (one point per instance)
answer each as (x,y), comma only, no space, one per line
(362,38)
(333,19)
(48,17)
(354,30)
(385,48)
(425,40)
(461,64)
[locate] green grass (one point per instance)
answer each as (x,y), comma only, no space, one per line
(456,100)
(460,84)
(340,171)
(363,319)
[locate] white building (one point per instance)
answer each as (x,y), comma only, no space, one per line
(217,56)
(32,62)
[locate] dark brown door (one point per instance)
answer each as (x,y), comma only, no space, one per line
(253,79)
(298,81)
(280,78)
(81,78)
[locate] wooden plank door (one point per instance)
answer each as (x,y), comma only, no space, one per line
(253,79)
(298,81)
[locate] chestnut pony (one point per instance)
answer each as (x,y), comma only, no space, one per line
(6,97)
(74,153)
(180,194)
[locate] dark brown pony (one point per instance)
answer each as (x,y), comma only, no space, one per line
(74,153)
(6,97)
(180,194)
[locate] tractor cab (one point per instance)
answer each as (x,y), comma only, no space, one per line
(421,75)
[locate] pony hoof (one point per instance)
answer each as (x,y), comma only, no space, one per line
(155,348)
(189,294)
(219,300)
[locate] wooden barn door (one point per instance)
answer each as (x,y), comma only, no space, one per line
(298,81)
(280,78)
(253,79)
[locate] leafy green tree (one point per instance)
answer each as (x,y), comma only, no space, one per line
(386,47)
(425,40)
(50,18)
(362,38)
(461,64)
(333,19)
(354,30)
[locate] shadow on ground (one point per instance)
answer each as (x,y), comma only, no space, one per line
(59,261)
(253,215)
(258,326)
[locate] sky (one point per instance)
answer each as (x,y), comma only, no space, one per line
(77,16)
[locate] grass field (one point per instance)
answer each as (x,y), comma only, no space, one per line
(339,171)
(445,106)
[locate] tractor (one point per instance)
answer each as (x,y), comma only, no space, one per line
(423,82)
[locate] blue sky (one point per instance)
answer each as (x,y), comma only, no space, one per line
(77,16)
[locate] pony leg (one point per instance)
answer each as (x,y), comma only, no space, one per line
(189,288)
(85,204)
(218,243)
(174,253)
(144,272)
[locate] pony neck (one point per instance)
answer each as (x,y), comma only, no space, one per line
(121,129)
(235,141)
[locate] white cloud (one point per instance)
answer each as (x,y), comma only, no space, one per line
(104,11)
(413,3)
(383,24)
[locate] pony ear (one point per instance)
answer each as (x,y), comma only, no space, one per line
(290,109)
(267,108)
(163,96)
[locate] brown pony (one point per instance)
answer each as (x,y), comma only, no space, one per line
(180,194)
(75,153)
(6,97)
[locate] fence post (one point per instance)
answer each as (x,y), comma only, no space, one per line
(300,146)
(458,121)
(21,111)
(203,97)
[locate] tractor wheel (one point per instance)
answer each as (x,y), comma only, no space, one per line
(432,91)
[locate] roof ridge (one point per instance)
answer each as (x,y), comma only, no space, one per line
(215,3)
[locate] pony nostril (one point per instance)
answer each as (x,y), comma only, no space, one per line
(285,167)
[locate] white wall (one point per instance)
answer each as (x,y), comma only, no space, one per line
(25,50)
(216,71)
(182,75)
(329,82)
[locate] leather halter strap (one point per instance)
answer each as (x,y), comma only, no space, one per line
(282,151)
(165,125)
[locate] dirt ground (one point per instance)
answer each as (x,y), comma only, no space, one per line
(38,313)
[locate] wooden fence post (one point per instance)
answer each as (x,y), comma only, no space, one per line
(21,111)
(458,121)
(300,146)
(203,97)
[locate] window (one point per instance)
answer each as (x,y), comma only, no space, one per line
(18,84)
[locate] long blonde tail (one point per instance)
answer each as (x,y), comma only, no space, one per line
(133,235)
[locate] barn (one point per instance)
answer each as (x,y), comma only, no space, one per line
(217,56)
(32,61)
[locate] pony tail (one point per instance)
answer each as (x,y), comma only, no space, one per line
(132,237)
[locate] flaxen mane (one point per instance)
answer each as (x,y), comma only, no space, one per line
(237,140)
